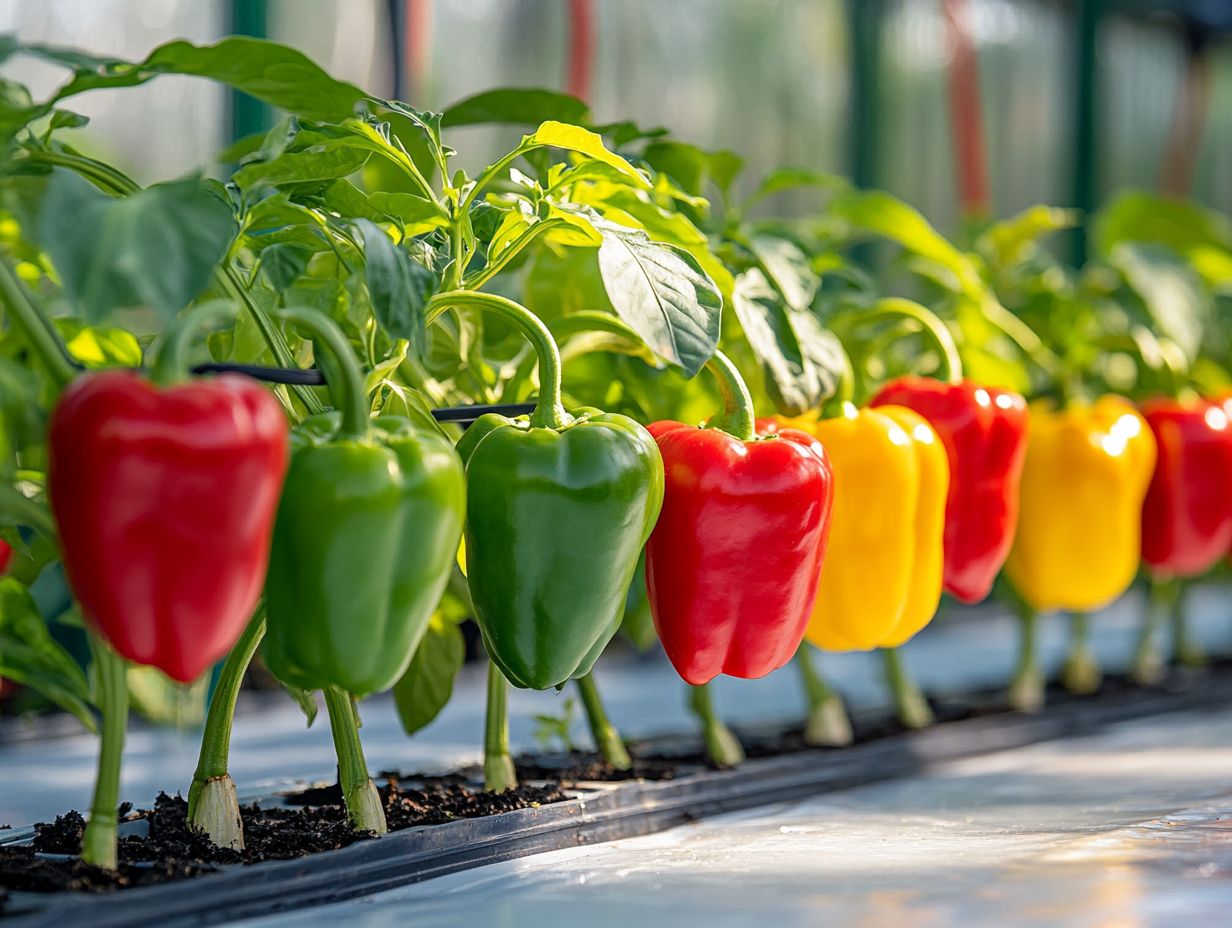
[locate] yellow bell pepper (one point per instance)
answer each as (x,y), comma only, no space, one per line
(1085,476)
(882,578)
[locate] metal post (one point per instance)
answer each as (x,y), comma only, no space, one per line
(248,115)
(864,17)
(1084,193)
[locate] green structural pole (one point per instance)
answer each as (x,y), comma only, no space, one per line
(864,17)
(248,115)
(1084,193)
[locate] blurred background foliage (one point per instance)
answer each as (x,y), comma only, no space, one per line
(860,87)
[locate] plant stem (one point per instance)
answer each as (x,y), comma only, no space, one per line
(933,327)
(351,392)
(737,417)
(607,739)
(1026,692)
(826,724)
(230,282)
(214,758)
(1082,674)
(1148,666)
(549,408)
(363,802)
(1185,650)
(499,773)
(169,366)
(27,319)
(722,746)
(909,702)
(98,844)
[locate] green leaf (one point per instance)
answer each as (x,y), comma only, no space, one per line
(425,688)
(1169,289)
(163,701)
(284,262)
(384,370)
(318,164)
(789,178)
(691,167)
(574,138)
(516,106)
(155,248)
(416,213)
(1201,235)
(306,700)
(31,657)
(788,269)
(801,360)
(273,73)
(879,213)
(99,346)
(1013,240)
(398,286)
(662,293)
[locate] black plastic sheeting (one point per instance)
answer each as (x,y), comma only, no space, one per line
(596,813)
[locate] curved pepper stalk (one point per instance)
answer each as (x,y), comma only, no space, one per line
(722,746)
(98,844)
(499,772)
(608,743)
(910,704)
(213,805)
(827,723)
(1081,673)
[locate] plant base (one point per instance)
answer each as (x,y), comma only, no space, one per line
(827,724)
(1081,674)
(364,807)
(217,813)
(499,775)
(1026,693)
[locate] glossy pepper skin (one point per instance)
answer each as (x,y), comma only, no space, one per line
(363,545)
(1085,476)
(556,521)
(1187,515)
(882,580)
(984,431)
(733,563)
(164,500)
(6,555)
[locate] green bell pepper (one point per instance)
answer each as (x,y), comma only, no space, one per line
(364,541)
(560,506)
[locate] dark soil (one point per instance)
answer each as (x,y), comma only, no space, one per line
(585,766)
(174,851)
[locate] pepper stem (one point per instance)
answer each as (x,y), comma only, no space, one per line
(549,412)
(363,802)
(35,328)
(213,805)
(499,774)
(98,844)
(353,396)
(1081,674)
(1185,650)
(896,307)
(607,739)
(826,724)
(1148,667)
(737,417)
(910,703)
(169,366)
(722,747)
(1026,692)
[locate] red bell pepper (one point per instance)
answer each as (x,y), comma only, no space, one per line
(164,499)
(984,431)
(733,563)
(6,555)
(1187,515)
